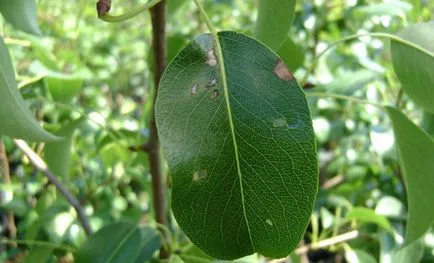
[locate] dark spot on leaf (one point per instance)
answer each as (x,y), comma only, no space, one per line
(282,71)
(215,93)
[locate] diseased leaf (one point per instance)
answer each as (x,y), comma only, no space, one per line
(57,154)
(416,151)
(16,120)
(413,63)
(119,242)
(274,20)
(21,14)
(240,147)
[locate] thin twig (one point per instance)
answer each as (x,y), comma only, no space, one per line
(4,171)
(158,15)
(41,166)
(322,244)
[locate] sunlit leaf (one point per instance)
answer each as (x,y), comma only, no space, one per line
(21,14)
(240,147)
(274,20)
(416,151)
(413,62)
(57,154)
(119,242)
(16,120)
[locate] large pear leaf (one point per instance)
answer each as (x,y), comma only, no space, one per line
(274,20)
(16,120)
(238,138)
(416,150)
(413,61)
(21,14)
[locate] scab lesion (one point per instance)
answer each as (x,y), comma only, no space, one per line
(199,175)
(282,71)
(211,58)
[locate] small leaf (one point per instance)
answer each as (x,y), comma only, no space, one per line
(358,256)
(21,14)
(119,242)
(416,151)
(367,215)
(240,147)
(413,62)
(291,54)
(274,20)
(57,154)
(16,120)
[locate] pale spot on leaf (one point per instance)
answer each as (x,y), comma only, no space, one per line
(279,122)
(215,93)
(199,175)
(211,59)
(269,222)
(194,89)
(282,71)
(211,83)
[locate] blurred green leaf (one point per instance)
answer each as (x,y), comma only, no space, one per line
(413,62)
(225,155)
(118,242)
(16,120)
(174,5)
(274,21)
(366,215)
(411,253)
(57,154)
(17,206)
(113,153)
(38,254)
(150,244)
(291,54)
(350,82)
(358,256)
(391,8)
(416,151)
(21,14)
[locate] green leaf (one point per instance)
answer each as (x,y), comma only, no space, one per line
(411,253)
(274,21)
(17,206)
(119,242)
(150,243)
(16,120)
(367,215)
(21,14)
(240,147)
(413,62)
(358,256)
(416,150)
(173,6)
(291,54)
(392,8)
(38,254)
(57,154)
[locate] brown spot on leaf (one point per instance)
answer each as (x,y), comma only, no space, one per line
(215,93)
(211,59)
(282,71)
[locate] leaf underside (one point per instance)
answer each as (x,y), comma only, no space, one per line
(246,186)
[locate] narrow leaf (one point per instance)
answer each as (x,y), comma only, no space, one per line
(16,120)
(367,215)
(119,242)
(413,62)
(21,14)
(240,146)
(57,154)
(274,20)
(416,150)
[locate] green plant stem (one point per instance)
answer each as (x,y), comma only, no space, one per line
(119,18)
(352,37)
(38,243)
(343,97)
(159,51)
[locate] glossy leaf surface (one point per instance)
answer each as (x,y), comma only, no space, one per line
(16,120)
(240,146)
(413,62)
(416,151)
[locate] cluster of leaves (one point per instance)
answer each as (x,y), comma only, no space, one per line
(243,161)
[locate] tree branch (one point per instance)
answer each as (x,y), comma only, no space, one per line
(41,166)
(5,173)
(158,15)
